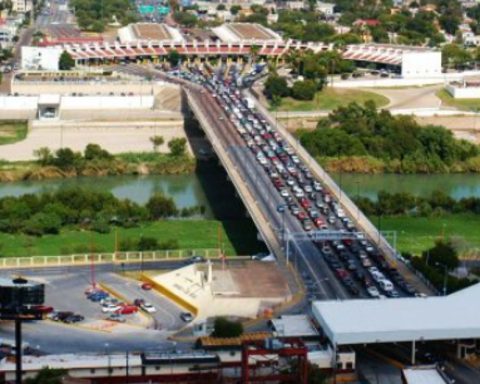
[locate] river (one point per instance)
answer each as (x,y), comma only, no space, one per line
(456,185)
(213,191)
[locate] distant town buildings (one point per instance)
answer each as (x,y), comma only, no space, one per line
(21,6)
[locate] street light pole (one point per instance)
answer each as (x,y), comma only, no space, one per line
(445,275)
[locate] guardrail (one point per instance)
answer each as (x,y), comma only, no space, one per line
(105,258)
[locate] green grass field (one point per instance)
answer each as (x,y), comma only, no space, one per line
(416,234)
(332,98)
(238,238)
(462,104)
(12,131)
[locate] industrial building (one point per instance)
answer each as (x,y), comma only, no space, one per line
(408,61)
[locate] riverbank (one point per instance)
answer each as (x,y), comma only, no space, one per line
(236,237)
(416,234)
(142,163)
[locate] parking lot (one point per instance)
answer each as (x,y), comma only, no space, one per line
(65,292)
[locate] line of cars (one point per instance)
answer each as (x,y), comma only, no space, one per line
(355,262)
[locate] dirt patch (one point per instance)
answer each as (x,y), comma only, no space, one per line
(259,279)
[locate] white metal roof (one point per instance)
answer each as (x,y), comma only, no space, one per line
(456,316)
(294,326)
(423,376)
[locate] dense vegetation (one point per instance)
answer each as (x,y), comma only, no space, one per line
(411,25)
(48,213)
(95,161)
(435,261)
(405,203)
(95,15)
(312,68)
(362,139)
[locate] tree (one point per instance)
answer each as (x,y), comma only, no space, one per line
(66,158)
(177,146)
(44,155)
(276,86)
(234,9)
(221,7)
(304,90)
(226,328)
(173,57)
(66,62)
(47,376)
(156,141)
(159,206)
(95,152)
(442,254)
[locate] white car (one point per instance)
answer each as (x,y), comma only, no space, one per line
(147,307)
(110,308)
(373,292)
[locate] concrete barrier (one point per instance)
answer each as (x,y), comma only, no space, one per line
(105,258)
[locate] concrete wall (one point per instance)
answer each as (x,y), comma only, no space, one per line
(106,102)
(421,64)
(91,87)
(459,92)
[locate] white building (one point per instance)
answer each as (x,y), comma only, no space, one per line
(21,6)
(413,62)
(41,58)
(326,8)
(452,317)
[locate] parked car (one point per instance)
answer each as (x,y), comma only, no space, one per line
(186,317)
(146,286)
(127,310)
(147,307)
(116,317)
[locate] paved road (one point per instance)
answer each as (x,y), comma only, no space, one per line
(57,13)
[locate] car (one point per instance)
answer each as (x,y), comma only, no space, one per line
(43,309)
(60,316)
(147,307)
(127,309)
(110,308)
(138,302)
(373,291)
(116,317)
(75,318)
(197,259)
(146,286)
(187,317)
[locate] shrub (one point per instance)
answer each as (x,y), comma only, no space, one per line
(226,328)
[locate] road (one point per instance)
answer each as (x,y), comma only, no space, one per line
(56,14)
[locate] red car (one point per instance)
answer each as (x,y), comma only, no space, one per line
(301,215)
(127,309)
(342,273)
(318,222)
(304,203)
(146,286)
(43,309)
